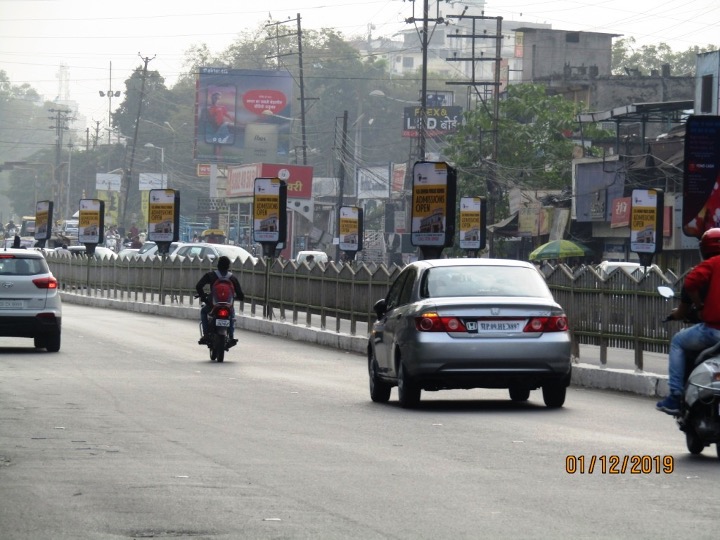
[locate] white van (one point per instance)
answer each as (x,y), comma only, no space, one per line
(69,227)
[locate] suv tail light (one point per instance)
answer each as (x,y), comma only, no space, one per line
(46,283)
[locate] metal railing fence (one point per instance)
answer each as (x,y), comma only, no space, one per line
(620,311)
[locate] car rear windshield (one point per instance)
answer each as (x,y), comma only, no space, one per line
(16,266)
(484,281)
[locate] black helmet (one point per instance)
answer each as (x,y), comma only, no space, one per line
(223,263)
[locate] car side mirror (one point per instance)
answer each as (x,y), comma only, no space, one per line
(380,308)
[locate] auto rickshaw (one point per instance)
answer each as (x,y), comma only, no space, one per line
(213,236)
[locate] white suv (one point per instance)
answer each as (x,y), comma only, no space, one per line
(30,304)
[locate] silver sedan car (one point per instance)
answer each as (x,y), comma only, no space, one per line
(469,323)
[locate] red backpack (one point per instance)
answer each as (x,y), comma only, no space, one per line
(222,289)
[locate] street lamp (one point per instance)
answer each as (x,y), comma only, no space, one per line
(162,162)
(110,94)
(380,93)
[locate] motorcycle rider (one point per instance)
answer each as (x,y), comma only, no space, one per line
(223,267)
(701,289)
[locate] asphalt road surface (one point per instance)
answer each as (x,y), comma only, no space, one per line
(131,432)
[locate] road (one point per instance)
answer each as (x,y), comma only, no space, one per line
(130,432)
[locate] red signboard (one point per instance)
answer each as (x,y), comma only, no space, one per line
(241,179)
(620,216)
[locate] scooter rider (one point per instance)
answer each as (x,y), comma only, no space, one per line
(223,267)
(702,289)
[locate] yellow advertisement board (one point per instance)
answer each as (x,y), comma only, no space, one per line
(90,223)
(161,215)
(266,210)
(429,203)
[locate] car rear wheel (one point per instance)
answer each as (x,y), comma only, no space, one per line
(554,395)
(379,389)
(408,390)
(518,393)
(52,342)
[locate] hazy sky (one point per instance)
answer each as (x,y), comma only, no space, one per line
(37,36)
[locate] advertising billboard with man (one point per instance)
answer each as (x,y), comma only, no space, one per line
(243,115)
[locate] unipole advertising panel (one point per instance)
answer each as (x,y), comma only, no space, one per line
(163,216)
(433,207)
(91,223)
(269,214)
(646,223)
(473,216)
(43,222)
(701,175)
(351,229)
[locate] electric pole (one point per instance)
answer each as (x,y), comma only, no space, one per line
(301,79)
(341,181)
(491,178)
(129,169)
(61,118)
(424,43)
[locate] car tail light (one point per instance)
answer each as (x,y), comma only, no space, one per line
(46,283)
(547,324)
(223,313)
(432,322)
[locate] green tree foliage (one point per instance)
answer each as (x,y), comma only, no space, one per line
(648,58)
(534,148)
(24,126)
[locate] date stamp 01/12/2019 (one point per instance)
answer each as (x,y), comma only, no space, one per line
(616,464)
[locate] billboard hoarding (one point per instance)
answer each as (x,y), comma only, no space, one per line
(242,115)
(701,175)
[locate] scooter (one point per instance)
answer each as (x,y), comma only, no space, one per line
(219,320)
(699,416)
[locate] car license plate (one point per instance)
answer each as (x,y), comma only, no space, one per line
(487,327)
(10,304)
(222,322)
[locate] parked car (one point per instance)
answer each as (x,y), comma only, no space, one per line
(317,256)
(469,323)
(150,249)
(606,268)
(30,305)
(127,252)
(205,250)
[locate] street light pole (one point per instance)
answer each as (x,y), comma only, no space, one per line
(68,215)
(162,162)
(110,94)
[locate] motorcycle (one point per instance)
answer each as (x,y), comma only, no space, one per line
(218,336)
(699,416)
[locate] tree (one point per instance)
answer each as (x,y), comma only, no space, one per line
(649,58)
(534,148)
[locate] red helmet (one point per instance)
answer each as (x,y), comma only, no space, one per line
(710,243)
